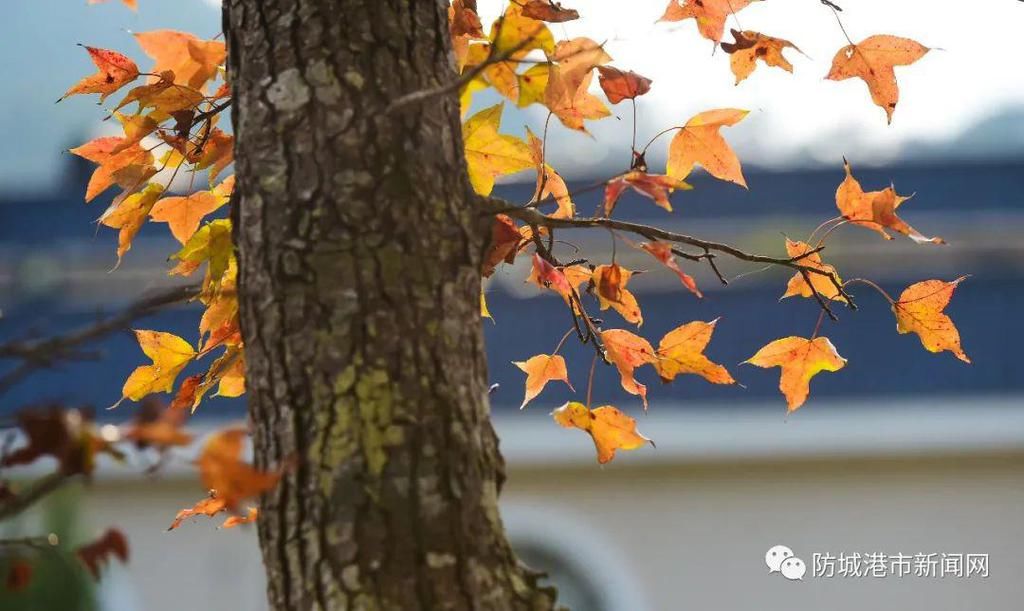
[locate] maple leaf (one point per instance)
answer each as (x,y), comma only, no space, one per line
(505,240)
(68,435)
(517,34)
(610,282)
(540,370)
(209,507)
(484,312)
(211,244)
(169,353)
(548,180)
(216,153)
(751,46)
(872,60)
(550,11)
(662,251)
(126,165)
(132,4)
(532,85)
(657,187)
(95,555)
(875,209)
(228,372)
(562,280)
(144,94)
(919,310)
(490,154)
(699,141)
(569,79)
(130,215)
(618,85)
(229,479)
(114,71)
(609,428)
(800,360)
(250,517)
(192,60)
(159,427)
(682,351)
(627,352)
(184,213)
(822,284)
(710,15)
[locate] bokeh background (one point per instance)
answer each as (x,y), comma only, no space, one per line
(903,451)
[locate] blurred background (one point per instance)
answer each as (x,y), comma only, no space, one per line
(903,451)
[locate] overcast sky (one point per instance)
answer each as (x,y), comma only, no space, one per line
(796,119)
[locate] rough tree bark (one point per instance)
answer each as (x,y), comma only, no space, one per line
(359,254)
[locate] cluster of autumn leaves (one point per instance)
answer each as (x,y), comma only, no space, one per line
(559,79)
(169,124)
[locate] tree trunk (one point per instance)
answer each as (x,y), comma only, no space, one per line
(359,249)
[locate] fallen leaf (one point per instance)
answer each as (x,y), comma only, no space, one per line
(657,187)
(619,85)
(710,15)
(800,359)
(875,209)
(752,46)
(540,370)
(610,284)
(96,555)
(609,428)
(699,141)
(490,154)
(662,251)
(169,353)
(114,71)
(919,310)
(822,284)
(681,351)
(872,60)
(627,352)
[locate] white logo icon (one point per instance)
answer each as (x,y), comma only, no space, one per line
(780,559)
(793,568)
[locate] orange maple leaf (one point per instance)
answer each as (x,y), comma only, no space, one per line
(627,352)
(657,187)
(540,370)
(129,215)
(169,353)
(710,15)
(562,280)
(919,310)
(875,209)
(681,351)
(872,60)
(183,213)
(248,518)
(569,79)
(662,251)
(193,61)
(619,85)
(121,163)
(800,359)
(610,284)
(752,46)
(699,141)
(114,71)
(549,182)
(609,428)
(95,555)
(822,284)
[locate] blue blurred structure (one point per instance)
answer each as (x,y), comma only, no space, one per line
(53,279)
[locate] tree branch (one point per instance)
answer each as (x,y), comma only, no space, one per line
(44,353)
(14,505)
(533,217)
